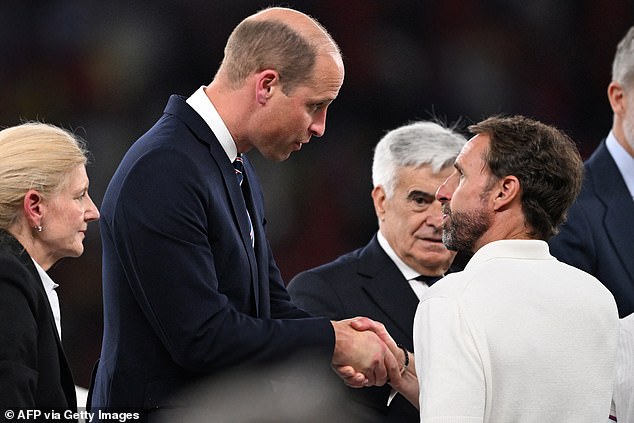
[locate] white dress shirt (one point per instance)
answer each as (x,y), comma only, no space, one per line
(205,108)
(419,287)
(623,160)
(49,287)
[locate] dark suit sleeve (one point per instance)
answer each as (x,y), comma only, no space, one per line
(314,294)
(574,243)
(173,236)
(18,332)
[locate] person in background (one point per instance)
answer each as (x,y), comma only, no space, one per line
(507,339)
(190,285)
(598,236)
(44,213)
(385,279)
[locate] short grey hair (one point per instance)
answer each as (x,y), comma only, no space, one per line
(415,144)
(623,64)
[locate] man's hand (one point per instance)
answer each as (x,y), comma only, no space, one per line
(407,384)
(364,324)
(361,358)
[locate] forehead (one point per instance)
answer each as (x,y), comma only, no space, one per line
(471,155)
(76,179)
(422,178)
(326,79)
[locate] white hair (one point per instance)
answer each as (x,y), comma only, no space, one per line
(623,64)
(416,144)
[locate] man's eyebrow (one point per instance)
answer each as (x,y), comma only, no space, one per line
(417,192)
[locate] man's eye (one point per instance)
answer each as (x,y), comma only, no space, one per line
(317,106)
(421,200)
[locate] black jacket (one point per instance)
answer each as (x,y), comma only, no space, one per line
(34,373)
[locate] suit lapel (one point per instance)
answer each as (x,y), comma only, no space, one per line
(179,107)
(612,192)
(387,287)
(18,250)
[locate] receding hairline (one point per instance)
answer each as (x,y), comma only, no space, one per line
(306,26)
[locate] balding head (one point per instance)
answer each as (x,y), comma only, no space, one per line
(313,32)
(276,38)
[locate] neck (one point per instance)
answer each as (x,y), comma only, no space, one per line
(505,226)
(32,246)
(230,106)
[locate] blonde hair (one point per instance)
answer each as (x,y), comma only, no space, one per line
(36,156)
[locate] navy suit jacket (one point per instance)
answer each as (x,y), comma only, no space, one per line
(599,234)
(364,282)
(185,294)
(34,373)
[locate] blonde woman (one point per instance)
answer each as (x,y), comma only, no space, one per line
(44,212)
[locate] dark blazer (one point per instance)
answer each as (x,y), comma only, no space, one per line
(34,373)
(185,294)
(599,234)
(364,282)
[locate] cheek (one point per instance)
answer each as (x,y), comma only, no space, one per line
(70,218)
(460,194)
(409,225)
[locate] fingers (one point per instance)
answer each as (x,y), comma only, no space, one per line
(393,368)
(361,357)
(380,374)
(351,377)
(364,323)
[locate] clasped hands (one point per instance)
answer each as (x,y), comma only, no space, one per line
(365,353)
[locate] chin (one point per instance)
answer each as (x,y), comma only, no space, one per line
(277,157)
(436,259)
(76,252)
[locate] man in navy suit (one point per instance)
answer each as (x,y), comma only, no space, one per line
(385,279)
(189,281)
(599,236)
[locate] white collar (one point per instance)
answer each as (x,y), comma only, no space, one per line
(534,249)
(49,288)
(408,272)
(205,108)
(624,162)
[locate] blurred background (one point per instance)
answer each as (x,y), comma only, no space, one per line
(105,69)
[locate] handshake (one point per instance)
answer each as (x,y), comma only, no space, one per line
(366,355)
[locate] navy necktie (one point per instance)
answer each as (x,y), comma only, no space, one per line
(238,167)
(429,280)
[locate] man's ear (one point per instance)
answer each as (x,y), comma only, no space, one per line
(616,95)
(378,198)
(266,83)
(33,208)
(508,190)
